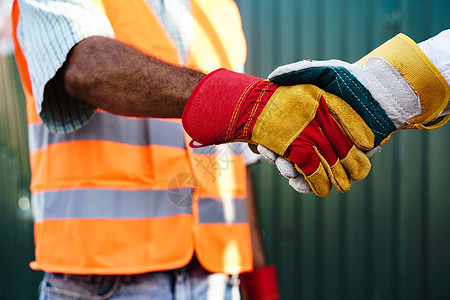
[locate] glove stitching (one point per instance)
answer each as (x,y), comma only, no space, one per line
(386,93)
(356,97)
(313,187)
(335,178)
(255,107)
(347,132)
(238,107)
(329,170)
(310,117)
(404,88)
(360,101)
(400,109)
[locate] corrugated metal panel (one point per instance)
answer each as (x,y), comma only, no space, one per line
(389,236)
(17,281)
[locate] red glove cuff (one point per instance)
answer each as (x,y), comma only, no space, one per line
(260,284)
(224,107)
(210,107)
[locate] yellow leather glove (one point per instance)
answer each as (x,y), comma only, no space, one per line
(298,122)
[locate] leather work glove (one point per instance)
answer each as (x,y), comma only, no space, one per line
(297,122)
(287,168)
(394,87)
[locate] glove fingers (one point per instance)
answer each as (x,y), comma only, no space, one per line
(300,184)
(337,174)
(351,122)
(303,152)
(340,143)
(286,168)
(324,175)
(352,159)
(307,162)
(357,164)
(267,154)
(318,181)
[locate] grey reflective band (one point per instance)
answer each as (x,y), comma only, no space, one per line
(111,204)
(232,210)
(126,204)
(109,127)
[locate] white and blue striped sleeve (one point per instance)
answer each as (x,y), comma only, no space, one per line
(46,31)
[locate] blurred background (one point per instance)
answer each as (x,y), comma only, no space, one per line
(387,238)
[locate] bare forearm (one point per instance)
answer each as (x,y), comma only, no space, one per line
(122,80)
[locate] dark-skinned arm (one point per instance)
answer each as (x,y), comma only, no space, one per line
(117,78)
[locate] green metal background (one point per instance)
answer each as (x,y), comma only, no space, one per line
(387,238)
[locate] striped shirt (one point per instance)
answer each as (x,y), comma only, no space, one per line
(46,31)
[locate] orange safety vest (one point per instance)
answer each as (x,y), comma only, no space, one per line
(125,195)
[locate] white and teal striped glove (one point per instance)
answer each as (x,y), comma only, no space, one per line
(394,87)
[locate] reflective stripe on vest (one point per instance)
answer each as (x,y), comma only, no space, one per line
(138,132)
(135,204)
(125,195)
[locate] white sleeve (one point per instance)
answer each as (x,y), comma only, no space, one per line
(437,49)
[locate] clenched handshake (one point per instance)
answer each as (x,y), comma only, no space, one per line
(317,120)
